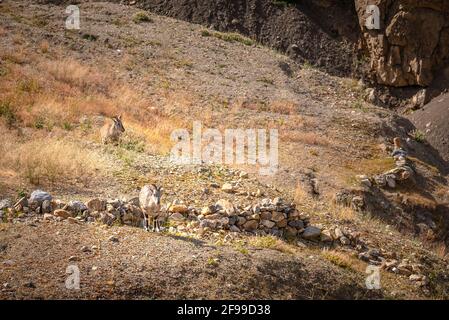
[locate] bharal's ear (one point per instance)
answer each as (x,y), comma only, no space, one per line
(161,189)
(119,117)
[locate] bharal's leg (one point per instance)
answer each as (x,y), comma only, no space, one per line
(145,222)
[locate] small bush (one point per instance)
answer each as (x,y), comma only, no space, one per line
(418,136)
(140,17)
(338,258)
(8,112)
(131,142)
(228,37)
(270,242)
(49,161)
(206,33)
(28,85)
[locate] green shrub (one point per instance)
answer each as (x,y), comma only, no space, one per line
(8,112)
(140,17)
(418,135)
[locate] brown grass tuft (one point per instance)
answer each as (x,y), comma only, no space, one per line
(44,161)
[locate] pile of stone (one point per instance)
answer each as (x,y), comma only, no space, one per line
(402,172)
(266,217)
(269,216)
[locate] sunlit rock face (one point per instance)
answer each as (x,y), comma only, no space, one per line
(412,42)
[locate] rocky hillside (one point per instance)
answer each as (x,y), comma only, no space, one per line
(345,196)
(409,49)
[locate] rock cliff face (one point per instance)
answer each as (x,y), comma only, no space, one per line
(412,42)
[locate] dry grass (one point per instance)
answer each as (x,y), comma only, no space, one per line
(2,31)
(74,74)
(440,249)
(343,213)
(433,169)
(58,92)
(44,161)
(338,258)
(45,96)
(371,167)
(301,196)
(308,138)
(271,242)
(44,46)
(414,199)
(284,107)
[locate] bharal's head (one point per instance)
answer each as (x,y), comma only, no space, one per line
(118,123)
(156,194)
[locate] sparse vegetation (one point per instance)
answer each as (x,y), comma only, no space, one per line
(308,138)
(229,37)
(270,242)
(418,136)
(57,90)
(338,258)
(50,161)
(141,16)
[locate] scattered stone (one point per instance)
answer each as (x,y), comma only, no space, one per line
(416,277)
(64,214)
(251,225)
(48,216)
(39,196)
(345,241)
(85,249)
(243,175)
(298,224)
(326,236)
(277,216)
(46,207)
(5,204)
(72,220)
(178,208)
(76,206)
(234,229)
(225,206)
(207,210)
(267,223)
(8,263)
(113,239)
(338,233)
(311,233)
(228,188)
(177,217)
(29,284)
(96,204)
